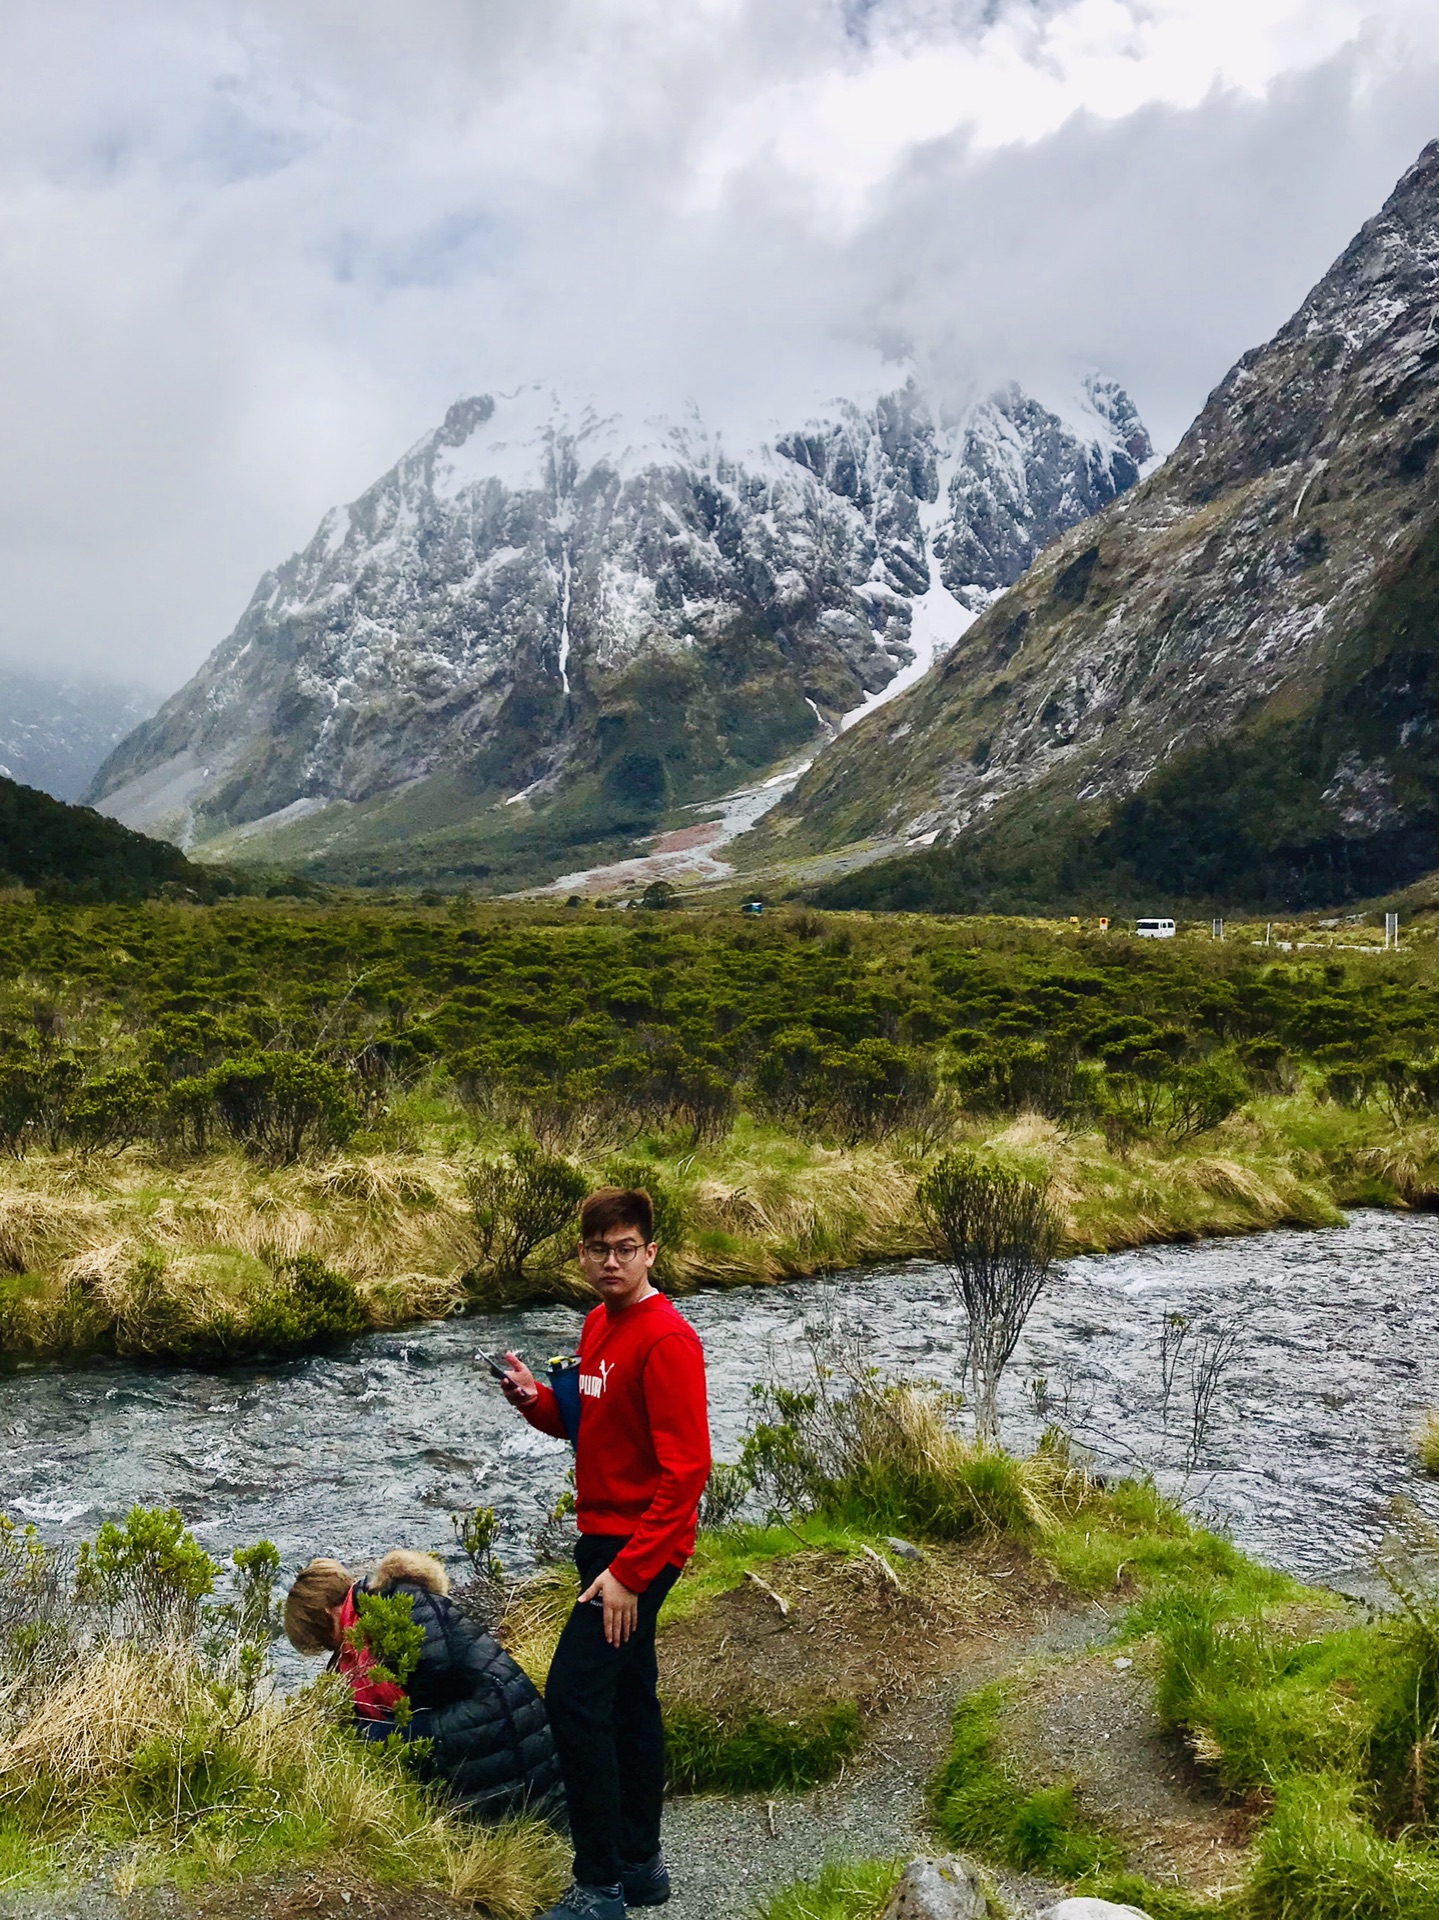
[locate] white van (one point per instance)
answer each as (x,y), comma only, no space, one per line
(1154,929)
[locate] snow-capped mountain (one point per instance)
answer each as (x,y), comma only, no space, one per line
(1226,685)
(547,624)
(55,730)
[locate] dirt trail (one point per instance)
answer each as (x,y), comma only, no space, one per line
(1092,1722)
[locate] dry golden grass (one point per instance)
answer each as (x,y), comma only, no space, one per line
(760,1206)
(84,1735)
(110,1247)
(821,1208)
(535,1617)
(1230,1182)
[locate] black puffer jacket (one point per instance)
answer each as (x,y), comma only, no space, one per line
(492,1746)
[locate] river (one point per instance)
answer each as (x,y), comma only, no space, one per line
(1335,1339)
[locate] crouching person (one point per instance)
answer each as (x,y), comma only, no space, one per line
(490,1743)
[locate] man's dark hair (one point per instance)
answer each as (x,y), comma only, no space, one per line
(611,1207)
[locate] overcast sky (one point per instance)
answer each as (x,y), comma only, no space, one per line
(251,252)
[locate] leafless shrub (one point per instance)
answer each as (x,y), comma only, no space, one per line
(999,1237)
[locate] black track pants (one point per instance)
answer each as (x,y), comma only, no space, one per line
(605,1715)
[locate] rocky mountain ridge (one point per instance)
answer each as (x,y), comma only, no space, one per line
(545,626)
(1224,685)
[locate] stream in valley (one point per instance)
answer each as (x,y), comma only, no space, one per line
(1335,1351)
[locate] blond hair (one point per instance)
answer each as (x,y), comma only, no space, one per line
(318,1587)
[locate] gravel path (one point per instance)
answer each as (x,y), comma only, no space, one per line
(726,1852)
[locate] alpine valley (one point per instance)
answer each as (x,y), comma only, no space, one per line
(546,631)
(1223,688)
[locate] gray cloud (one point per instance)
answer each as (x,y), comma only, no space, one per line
(250,252)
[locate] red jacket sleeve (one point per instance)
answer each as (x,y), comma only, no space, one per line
(674,1389)
(544,1413)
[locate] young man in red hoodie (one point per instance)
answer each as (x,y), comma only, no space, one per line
(642,1456)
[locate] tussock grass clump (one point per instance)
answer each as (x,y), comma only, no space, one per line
(1262,1698)
(884,1457)
(1426,1441)
(1319,1858)
(753,1751)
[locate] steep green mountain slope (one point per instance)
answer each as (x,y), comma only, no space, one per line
(72,850)
(1226,686)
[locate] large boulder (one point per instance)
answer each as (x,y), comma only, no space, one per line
(943,1889)
(1084,1908)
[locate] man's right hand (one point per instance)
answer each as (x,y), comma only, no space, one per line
(520,1386)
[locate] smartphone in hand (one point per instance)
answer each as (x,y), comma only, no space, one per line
(496,1367)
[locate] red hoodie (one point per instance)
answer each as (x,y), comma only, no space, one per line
(643,1454)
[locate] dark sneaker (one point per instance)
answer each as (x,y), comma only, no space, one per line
(593,1903)
(647,1885)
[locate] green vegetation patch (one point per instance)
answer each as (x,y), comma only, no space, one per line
(977,1805)
(140,1735)
(1133,1540)
(781,1086)
(843,1890)
(754,1751)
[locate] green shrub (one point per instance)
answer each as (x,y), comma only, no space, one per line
(22,1101)
(111,1111)
(754,1751)
(523,1205)
(1203,1096)
(885,1457)
(726,1491)
(1024,1076)
(233,1306)
(386,1628)
(187,1113)
(671,1214)
(150,1575)
(321,1305)
(283,1105)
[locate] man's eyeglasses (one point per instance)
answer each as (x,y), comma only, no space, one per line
(624,1250)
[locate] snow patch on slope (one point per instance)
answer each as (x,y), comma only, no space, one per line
(937,618)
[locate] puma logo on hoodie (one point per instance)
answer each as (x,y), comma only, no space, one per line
(593,1384)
